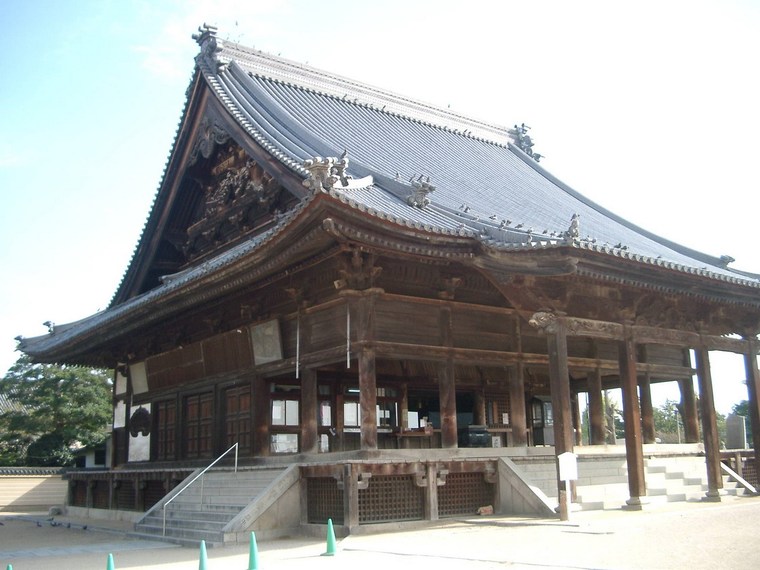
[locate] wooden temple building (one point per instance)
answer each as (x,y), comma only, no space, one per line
(392,306)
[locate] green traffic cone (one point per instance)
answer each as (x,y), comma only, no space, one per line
(109,564)
(253,554)
(204,559)
(330,539)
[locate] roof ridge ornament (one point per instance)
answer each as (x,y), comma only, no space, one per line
(573,233)
(420,190)
(207,39)
(324,173)
(523,141)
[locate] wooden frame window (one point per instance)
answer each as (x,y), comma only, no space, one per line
(198,425)
(164,430)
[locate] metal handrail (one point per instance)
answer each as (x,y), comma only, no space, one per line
(182,490)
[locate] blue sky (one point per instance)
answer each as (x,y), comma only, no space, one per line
(649,108)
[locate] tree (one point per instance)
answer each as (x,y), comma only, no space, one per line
(667,422)
(50,409)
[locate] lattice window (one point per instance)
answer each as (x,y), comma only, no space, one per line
(463,494)
(391,498)
(324,500)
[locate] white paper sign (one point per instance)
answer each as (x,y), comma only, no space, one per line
(568,466)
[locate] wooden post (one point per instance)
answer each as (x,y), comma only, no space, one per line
(689,410)
(364,308)
(261,403)
(517,413)
(448,400)
(447,394)
(576,413)
(431,492)
(753,394)
(709,425)
(368,398)
(351,496)
(647,410)
(632,417)
(479,411)
(309,411)
(559,386)
(596,408)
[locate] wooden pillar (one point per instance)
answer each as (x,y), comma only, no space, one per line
(597,435)
(559,385)
(368,398)
(351,496)
(431,492)
(647,410)
(404,403)
(479,411)
(362,305)
(632,418)
(709,425)
(753,396)
(576,413)
(517,414)
(261,403)
(689,410)
(448,401)
(447,394)
(309,410)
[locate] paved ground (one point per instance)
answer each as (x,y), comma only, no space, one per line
(679,535)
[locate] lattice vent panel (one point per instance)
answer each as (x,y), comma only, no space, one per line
(324,500)
(154,491)
(79,494)
(124,496)
(463,494)
(100,495)
(391,498)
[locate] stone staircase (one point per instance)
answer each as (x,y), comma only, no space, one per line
(603,481)
(204,511)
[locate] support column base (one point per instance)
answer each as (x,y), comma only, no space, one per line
(712,497)
(636,504)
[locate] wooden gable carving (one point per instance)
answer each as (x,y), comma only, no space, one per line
(238,197)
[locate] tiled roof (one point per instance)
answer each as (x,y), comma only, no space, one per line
(484,186)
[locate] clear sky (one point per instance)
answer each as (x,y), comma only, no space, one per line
(652,109)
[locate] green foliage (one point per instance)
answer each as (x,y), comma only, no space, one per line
(52,408)
(667,422)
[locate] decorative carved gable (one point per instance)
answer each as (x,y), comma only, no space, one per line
(238,197)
